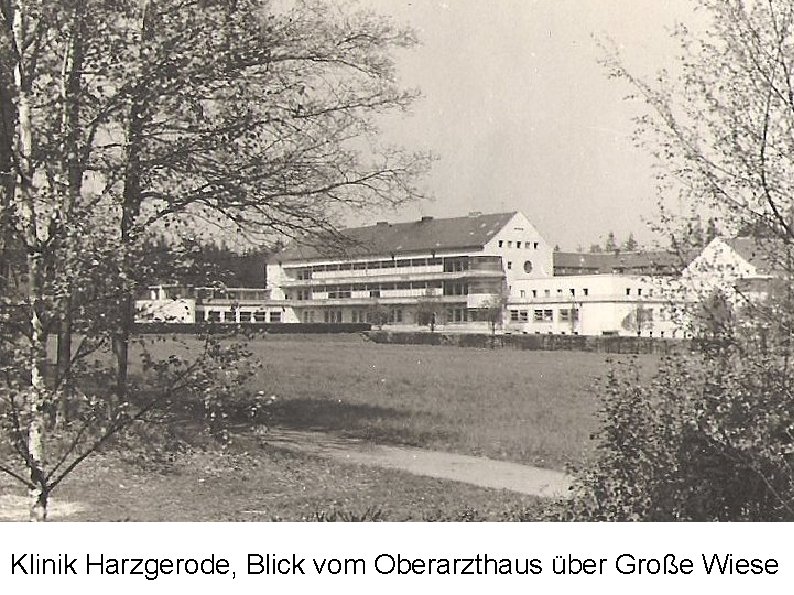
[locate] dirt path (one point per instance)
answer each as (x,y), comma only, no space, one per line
(478,471)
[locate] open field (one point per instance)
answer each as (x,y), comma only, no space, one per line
(265,485)
(525,406)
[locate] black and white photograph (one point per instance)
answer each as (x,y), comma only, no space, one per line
(396,260)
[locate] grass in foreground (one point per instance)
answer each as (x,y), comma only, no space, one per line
(530,407)
(266,485)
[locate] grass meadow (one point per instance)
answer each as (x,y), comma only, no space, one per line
(529,407)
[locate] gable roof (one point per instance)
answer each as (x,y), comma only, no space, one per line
(629,263)
(765,254)
(425,235)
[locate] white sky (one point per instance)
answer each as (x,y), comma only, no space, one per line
(523,117)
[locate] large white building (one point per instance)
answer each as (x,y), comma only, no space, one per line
(454,268)
(462,273)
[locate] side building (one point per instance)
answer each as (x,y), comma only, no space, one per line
(451,272)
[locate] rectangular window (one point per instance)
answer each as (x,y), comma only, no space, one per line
(565,315)
(573,292)
(275,317)
(500,243)
(262,316)
(537,315)
(523,316)
(536,245)
(245,317)
(213,316)
(509,243)
(548,315)
(509,264)
(547,293)
(523,293)
(534,293)
(513,315)
(403,263)
(628,291)
(586,291)
(518,243)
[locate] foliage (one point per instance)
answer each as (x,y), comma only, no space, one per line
(128,121)
(711,436)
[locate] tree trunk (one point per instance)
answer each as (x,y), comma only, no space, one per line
(39,499)
(131,207)
(37,395)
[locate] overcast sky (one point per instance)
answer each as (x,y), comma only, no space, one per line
(522,116)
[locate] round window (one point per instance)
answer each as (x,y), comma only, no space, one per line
(527,266)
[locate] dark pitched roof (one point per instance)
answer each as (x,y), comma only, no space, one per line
(767,255)
(428,234)
(629,263)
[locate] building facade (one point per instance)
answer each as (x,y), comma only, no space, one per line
(448,272)
(470,274)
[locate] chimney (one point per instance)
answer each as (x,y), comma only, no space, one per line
(426,218)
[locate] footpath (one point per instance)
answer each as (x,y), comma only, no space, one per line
(479,471)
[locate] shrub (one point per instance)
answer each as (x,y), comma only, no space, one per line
(710,437)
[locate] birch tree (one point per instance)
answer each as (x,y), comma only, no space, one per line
(127,119)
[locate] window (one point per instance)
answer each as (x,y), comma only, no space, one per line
(572,292)
(628,291)
(513,315)
(500,243)
(571,315)
(639,291)
(518,243)
(403,263)
(537,315)
(262,316)
(547,293)
(548,315)
(509,264)
(586,291)
(275,317)
(527,266)
(213,316)
(523,316)
(523,293)
(245,317)
(534,293)
(509,243)
(536,245)
(199,315)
